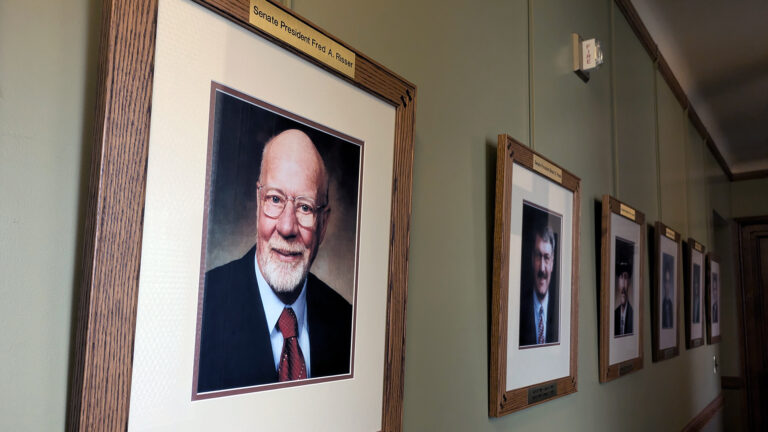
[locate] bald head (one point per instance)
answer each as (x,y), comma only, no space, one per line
(292,153)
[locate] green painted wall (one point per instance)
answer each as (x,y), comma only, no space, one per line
(635,120)
(587,128)
(481,70)
(749,198)
(47,69)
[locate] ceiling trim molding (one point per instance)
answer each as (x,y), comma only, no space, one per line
(633,18)
(750,175)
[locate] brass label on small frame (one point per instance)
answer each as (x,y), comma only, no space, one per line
(667,353)
(548,169)
(543,392)
(671,234)
(698,246)
(301,36)
(625,369)
(627,211)
(697,343)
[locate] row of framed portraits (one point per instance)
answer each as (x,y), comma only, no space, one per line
(208,302)
(534,313)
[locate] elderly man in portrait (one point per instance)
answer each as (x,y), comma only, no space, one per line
(715,299)
(696,293)
(265,317)
(667,311)
(539,304)
(622,315)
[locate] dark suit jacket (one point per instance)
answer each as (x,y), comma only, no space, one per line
(666,314)
(235,349)
(528,318)
(617,321)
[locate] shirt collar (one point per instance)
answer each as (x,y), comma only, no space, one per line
(544,303)
(273,306)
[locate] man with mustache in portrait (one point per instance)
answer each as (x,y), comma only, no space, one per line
(539,304)
(623,319)
(265,317)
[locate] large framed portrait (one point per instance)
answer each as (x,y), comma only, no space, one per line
(534,331)
(621,289)
(278,186)
(243,158)
(695,312)
(666,293)
(712,301)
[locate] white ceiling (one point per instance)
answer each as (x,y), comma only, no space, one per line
(718,51)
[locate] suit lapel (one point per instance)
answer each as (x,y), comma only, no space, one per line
(318,332)
(552,310)
(257,334)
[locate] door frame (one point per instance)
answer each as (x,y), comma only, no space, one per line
(742,230)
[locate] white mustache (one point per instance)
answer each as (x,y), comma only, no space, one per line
(286,247)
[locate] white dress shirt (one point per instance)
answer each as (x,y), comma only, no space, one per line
(273,307)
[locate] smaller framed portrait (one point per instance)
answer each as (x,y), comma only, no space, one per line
(665,294)
(621,289)
(534,325)
(713,298)
(694,294)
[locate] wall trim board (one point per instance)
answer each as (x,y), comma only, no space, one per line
(750,175)
(630,13)
(702,418)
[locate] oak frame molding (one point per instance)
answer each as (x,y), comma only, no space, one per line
(500,401)
(99,393)
(659,232)
(608,372)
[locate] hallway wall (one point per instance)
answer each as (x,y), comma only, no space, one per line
(481,69)
(471,66)
(47,71)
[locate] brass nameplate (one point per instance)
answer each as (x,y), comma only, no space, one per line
(627,211)
(548,169)
(294,32)
(667,353)
(698,246)
(540,393)
(670,234)
(697,343)
(627,368)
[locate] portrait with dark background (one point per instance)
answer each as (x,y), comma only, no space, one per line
(696,315)
(624,261)
(667,291)
(715,298)
(241,128)
(533,217)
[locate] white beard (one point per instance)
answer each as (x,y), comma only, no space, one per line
(283,277)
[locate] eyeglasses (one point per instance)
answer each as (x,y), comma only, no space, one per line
(273,201)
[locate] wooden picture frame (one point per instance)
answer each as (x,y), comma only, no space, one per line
(665,323)
(556,217)
(101,384)
(694,277)
(622,281)
(714,284)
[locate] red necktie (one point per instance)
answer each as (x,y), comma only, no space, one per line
(540,338)
(292,366)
